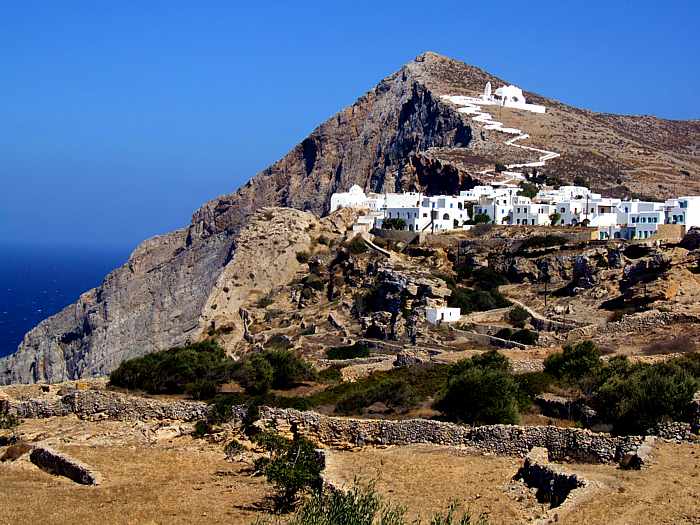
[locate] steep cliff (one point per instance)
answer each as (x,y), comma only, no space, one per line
(157,299)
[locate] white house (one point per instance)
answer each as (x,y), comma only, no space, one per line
(563,193)
(532,213)
(442,314)
(683,210)
(437,213)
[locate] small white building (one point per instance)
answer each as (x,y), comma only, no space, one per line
(683,210)
(442,314)
(532,213)
(437,213)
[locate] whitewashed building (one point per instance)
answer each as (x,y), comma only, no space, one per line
(437,213)
(532,213)
(683,210)
(442,314)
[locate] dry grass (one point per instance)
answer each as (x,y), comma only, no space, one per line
(181,480)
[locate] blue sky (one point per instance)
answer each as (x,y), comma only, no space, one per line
(118,119)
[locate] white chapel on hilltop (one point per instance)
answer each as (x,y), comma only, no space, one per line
(509,96)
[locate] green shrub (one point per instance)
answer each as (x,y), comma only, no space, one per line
(202,389)
(488,279)
(492,359)
(233,448)
(554,219)
(202,428)
(292,466)
(273,369)
(356,350)
(636,401)
(256,375)
(476,300)
(504,333)
(518,316)
(171,371)
(479,395)
(332,374)
(303,257)
(530,385)
(395,393)
(528,189)
(575,362)
(481,218)
(362,505)
(394,224)
(314,281)
(525,337)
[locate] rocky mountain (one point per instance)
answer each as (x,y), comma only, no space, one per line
(399,136)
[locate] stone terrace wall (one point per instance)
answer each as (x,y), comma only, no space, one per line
(98,404)
(562,443)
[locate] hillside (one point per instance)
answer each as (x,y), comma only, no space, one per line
(399,136)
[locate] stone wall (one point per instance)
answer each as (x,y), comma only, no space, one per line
(563,444)
(98,404)
(59,464)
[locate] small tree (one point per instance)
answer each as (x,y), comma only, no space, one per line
(554,218)
(256,375)
(480,395)
(481,218)
(518,316)
(528,189)
(396,223)
(575,362)
(292,466)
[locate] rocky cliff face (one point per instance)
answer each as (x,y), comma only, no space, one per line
(161,297)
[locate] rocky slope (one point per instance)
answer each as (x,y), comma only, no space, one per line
(399,136)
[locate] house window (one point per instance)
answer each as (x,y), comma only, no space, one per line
(562,210)
(425,215)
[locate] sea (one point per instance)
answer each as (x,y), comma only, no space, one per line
(37,281)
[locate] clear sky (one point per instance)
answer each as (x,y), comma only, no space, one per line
(118,119)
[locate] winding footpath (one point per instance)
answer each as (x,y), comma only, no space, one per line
(472,106)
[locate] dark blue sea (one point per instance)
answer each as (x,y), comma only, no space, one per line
(38,281)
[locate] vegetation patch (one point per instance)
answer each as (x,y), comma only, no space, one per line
(195,368)
(354,351)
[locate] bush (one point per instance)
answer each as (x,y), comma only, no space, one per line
(554,219)
(488,279)
(481,218)
(530,385)
(479,395)
(518,316)
(394,224)
(202,389)
(354,351)
(645,396)
(303,257)
(273,369)
(292,466)
(171,371)
(476,300)
(525,337)
(395,393)
(362,505)
(575,362)
(314,281)
(256,375)
(528,189)
(332,374)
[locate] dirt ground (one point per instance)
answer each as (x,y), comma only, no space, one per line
(148,478)
(425,479)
